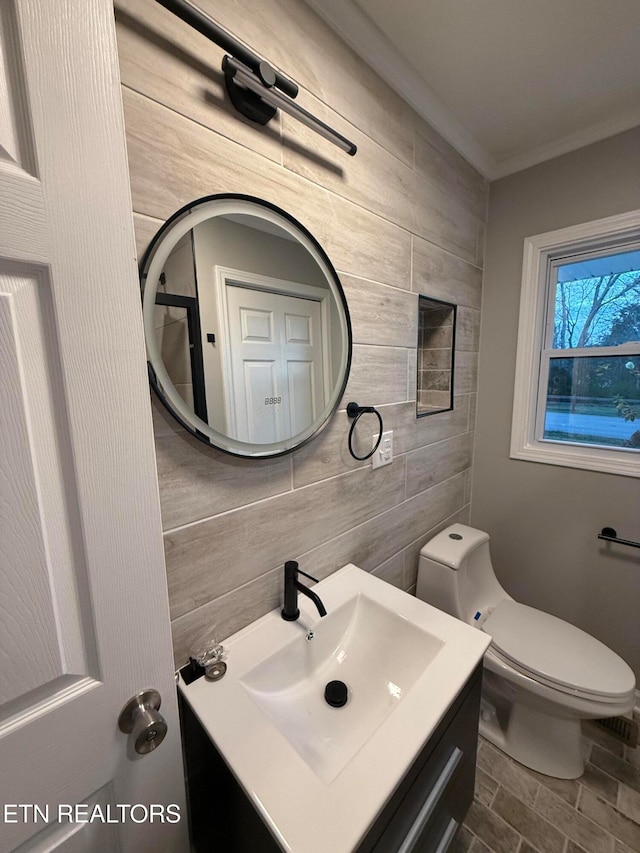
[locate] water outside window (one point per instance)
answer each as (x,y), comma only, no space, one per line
(593,354)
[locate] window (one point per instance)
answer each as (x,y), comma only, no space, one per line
(577,391)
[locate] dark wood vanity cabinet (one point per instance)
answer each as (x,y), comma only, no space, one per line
(422,815)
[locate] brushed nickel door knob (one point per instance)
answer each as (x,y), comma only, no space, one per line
(142,721)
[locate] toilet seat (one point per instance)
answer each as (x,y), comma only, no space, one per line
(556,653)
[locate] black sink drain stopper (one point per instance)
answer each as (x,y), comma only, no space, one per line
(335,694)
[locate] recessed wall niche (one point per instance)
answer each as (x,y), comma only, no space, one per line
(436,344)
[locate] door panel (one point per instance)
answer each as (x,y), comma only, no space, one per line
(28,634)
(261,420)
(43,632)
(257,326)
(86,837)
(302,394)
(298,329)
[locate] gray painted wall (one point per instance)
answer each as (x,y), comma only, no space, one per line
(544,519)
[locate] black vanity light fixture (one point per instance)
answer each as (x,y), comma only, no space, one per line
(255,88)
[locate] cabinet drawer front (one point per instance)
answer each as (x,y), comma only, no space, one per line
(432,802)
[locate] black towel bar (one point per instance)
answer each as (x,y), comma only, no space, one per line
(611,535)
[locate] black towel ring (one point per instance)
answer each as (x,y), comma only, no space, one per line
(355,411)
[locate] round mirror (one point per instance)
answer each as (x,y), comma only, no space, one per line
(246,324)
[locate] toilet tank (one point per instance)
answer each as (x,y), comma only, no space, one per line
(455,573)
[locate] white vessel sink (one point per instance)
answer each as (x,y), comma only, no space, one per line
(318,774)
(377,653)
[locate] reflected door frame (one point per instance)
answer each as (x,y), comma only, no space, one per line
(190,304)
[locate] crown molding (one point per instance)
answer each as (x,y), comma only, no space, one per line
(371,44)
(566,144)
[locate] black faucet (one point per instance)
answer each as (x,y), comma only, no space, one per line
(292,586)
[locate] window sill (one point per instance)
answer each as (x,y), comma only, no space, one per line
(589,458)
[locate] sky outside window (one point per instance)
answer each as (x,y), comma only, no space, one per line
(597,301)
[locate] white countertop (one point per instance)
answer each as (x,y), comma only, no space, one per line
(305,812)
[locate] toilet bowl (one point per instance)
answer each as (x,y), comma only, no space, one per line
(542,676)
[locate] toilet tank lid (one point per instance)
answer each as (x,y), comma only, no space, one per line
(453,545)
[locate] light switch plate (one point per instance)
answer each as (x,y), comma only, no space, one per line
(384,453)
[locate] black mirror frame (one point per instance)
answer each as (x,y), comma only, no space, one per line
(338,294)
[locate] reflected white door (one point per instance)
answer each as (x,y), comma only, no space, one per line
(83,604)
(276,366)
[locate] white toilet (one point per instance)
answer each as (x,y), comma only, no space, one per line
(542,676)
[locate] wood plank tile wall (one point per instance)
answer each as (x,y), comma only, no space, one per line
(405,216)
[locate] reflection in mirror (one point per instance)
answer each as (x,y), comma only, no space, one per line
(436,346)
(247,328)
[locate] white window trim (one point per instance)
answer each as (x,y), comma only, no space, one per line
(524,444)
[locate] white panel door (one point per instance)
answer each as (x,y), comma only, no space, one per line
(276,370)
(83,605)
